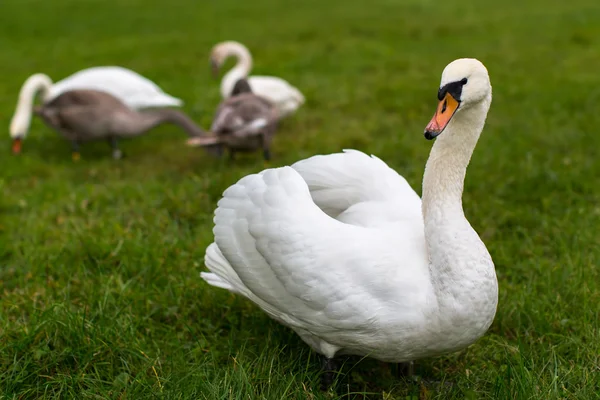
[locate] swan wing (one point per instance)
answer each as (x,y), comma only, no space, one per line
(128,86)
(243,115)
(274,245)
(228,121)
(356,188)
(222,119)
(276,90)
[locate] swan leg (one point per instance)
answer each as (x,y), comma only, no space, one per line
(267,154)
(219,151)
(117,154)
(406,369)
(266,142)
(266,158)
(330,369)
(215,150)
(75,155)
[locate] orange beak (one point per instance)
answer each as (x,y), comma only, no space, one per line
(16,146)
(444,113)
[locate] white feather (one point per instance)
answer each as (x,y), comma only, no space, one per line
(337,248)
(286,98)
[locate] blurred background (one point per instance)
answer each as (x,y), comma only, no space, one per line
(100,295)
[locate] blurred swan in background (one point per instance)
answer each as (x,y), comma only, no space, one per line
(284,96)
(243,122)
(131,88)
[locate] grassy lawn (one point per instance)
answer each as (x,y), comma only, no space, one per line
(100,294)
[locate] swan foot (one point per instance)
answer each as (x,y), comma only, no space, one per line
(117,154)
(267,155)
(437,386)
(75,151)
(330,368)
(216,150)
(406,370)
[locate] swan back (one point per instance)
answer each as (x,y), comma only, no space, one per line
(278,91)
(133,89)
(339,182)
(87,115)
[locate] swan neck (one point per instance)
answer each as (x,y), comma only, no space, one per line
(462,271)
(151,119)
(240,70)
(445,171)
(37,83)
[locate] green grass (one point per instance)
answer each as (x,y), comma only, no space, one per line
(100,295)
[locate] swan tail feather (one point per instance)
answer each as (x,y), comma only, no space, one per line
(299,96)
(221,273)
(214,280)
(173,101)
(159,100)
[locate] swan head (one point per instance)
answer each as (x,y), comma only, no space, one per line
(19,126)
(465,82)
(221,51)
(241,86)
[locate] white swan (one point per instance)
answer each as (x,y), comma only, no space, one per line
(286,97)
(342,250)
(128,86)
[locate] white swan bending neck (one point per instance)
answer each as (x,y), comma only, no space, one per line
(21,121)
(241,69)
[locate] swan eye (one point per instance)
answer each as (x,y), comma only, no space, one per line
(444,106)
(464,81)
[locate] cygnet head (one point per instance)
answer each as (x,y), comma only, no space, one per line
(241,86)
(465,82)
(221,51)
